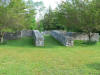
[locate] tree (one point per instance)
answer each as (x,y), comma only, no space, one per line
(40,10)
(50,20)
(80,16)
(13,16)
(30,21)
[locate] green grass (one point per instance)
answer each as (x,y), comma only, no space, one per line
(21,57)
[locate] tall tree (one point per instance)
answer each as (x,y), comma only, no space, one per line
(80,15)
(30,21)
(51,21)
(12,17)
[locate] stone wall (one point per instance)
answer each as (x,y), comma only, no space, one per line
(82,36)
(12,36)
(65,40)
(38,38)
(26,33)
(46,32)
(17,35)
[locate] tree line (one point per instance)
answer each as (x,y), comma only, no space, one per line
(70,15)
(74,15)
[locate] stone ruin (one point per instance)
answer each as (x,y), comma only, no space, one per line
(82,36)
(65,40)
(26,33)
(38,37)
(12,36)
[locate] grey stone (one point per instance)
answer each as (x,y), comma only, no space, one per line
(26,33)
(12,36)
(38,37)
(46,32)
(65,40)
(83,36)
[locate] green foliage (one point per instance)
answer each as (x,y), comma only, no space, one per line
(16,15)
(40,26)
(51,21)
(11,17)
(80,15)
(75,15)
(10,14)
(30,22)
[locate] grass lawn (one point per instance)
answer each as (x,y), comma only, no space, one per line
(21,57)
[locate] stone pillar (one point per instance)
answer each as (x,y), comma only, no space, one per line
(38,38)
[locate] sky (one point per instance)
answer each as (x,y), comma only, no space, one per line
(52,3)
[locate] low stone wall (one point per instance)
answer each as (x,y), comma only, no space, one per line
(12,36)
(67,41)
(38,37)
(26,33)
(82,36)
(46,32)
(17,35)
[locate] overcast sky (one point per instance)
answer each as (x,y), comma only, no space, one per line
(52,3)
(47,3)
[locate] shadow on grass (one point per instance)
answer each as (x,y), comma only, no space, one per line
(84,43)
(23,42)
(95,66)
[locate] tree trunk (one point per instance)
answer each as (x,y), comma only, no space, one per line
(2,40)
(2,37)
(90,36)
